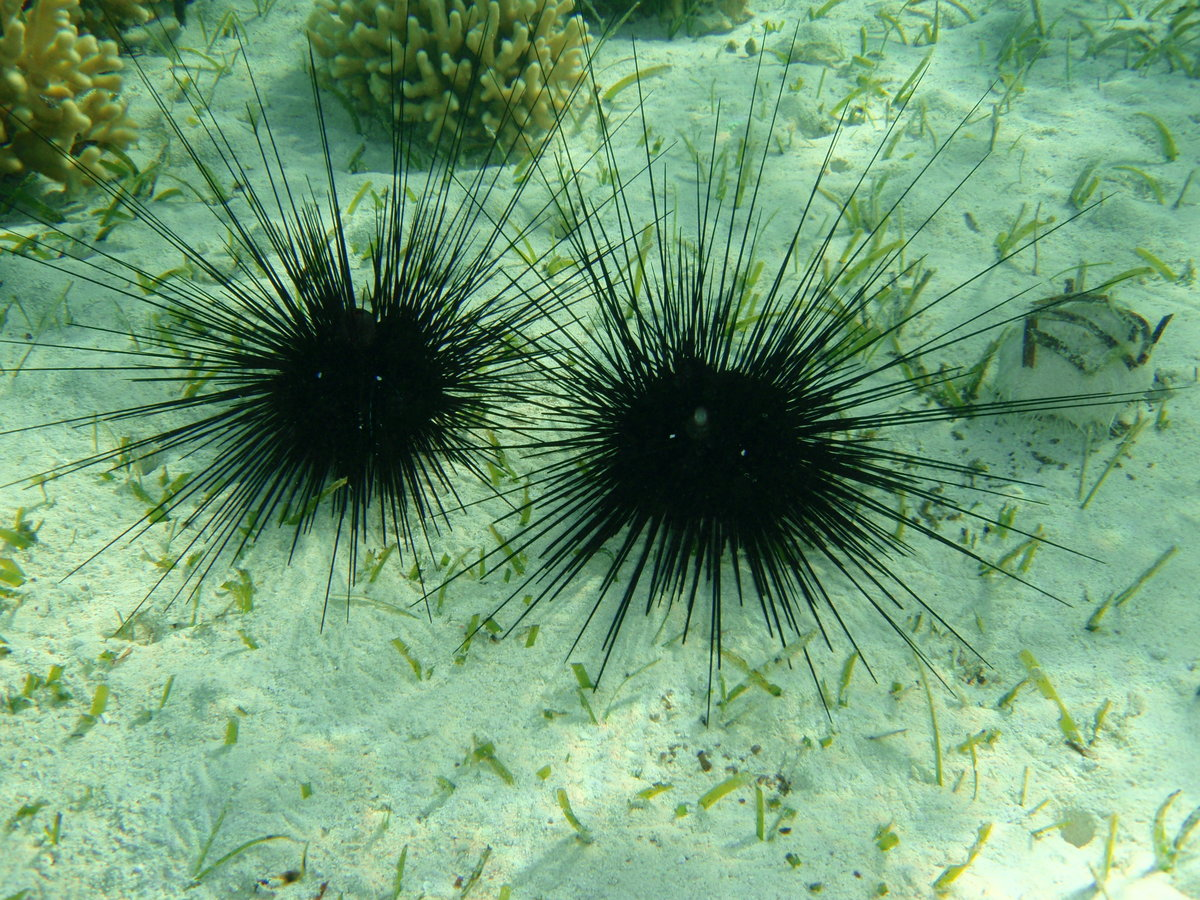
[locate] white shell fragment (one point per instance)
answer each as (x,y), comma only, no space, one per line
(1074,344)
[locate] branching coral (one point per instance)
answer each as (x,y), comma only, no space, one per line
(104,17)
(498,67)
(109,17)
(59,104)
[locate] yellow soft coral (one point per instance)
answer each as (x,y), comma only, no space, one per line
(60,113)
(500,67)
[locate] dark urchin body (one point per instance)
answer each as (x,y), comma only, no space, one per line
(711,447)
(300,392)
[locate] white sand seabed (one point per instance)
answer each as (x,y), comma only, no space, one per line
(392,763)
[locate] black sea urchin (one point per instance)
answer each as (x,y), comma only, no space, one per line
(724,429)
(305,384)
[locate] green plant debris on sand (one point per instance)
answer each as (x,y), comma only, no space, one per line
(477,872)
(11,576)
(1122,597)
(727,786)
(398,882)
(564,803)
(1158,31)
(642,797)
(985,738)
(951,873)
(756,677)
(414,663)
(92,716)
(939,773)
(1123,448)
(1166,849)
(634,78)
(1022,554)
(584,684)
(21,536)
(37,689)
(886,837)
(760,824)
(240,591)
(1110,846)
(485,752)
(1019,232)
(1065,722)
(200,871)
(1166,140)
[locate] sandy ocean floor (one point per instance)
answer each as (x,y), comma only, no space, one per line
(357,763)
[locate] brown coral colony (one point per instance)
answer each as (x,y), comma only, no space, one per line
(497,68)
(60,111)
(490,69)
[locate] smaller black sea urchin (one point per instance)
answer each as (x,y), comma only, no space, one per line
(307,384)
(721,430)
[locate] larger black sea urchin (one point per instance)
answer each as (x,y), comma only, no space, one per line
(728,428)
(297,388)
